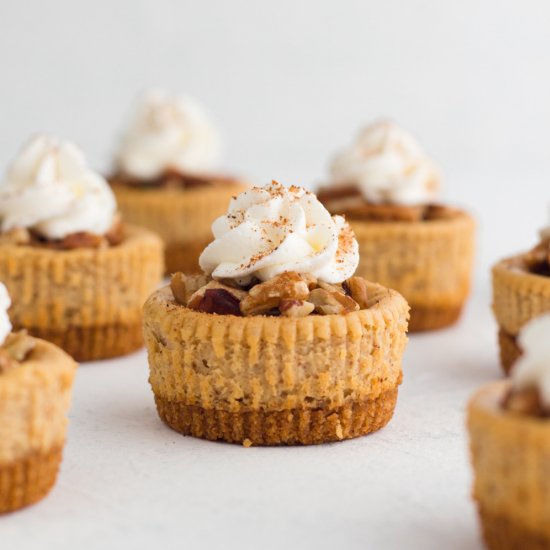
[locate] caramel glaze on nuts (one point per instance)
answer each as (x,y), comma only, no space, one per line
(289,294)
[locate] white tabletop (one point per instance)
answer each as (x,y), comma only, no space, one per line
(128,481)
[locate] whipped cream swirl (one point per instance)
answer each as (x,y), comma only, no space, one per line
(168,133)
(388,166)
(5,303)
(273,229)
(532,369)
(50,189)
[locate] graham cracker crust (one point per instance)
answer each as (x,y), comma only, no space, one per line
(509,350)
(94,343)
(28,479)
(501,533)
(183,257)
(433,318)
(298,426)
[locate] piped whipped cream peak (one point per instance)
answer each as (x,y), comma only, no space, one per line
(532,369)
(388,166)
(272,229)
(5,303)
(50,189)
(168,133)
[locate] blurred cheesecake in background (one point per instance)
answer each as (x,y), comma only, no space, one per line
(509,425)
(387,188)
(164,179)
(521,292)
(78,274)
(36,380)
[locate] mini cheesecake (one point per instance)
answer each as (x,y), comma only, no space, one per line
(163,177)
(509,425)
(277,343)
(387,188)
(80,275)
(35,389)
(521,292)
(272,379)
(87,300)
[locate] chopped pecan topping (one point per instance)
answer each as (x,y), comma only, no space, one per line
(266,296)
(356,287)
(16,348)
(173,179)
(82,239)
(289,294)
(205,298)
(310,280)
(19,345)
(184,286)
(332,303)
(18,236)
(116,234)
(526,401)
(77,240)
(350,202)
(537,260)
(295,308)
(220,301)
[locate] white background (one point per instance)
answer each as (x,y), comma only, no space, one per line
(289,83)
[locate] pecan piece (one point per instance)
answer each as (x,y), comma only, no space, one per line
(18,345)
(184,286)
(115,235)
(295,308)
(356,287)
(526,401)
(220,301)
(267,296)
(331,303)
(537,260)
(311,281)
(80,240)
(6,361)
(216,297)
(16,348)
(331,288)
(17,236)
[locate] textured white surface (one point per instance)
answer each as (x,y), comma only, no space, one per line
(128,481)
(289,83)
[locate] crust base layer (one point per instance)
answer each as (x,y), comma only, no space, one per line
(28,479)
(94,343)
(433,318)
(300,426)
(501,533)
